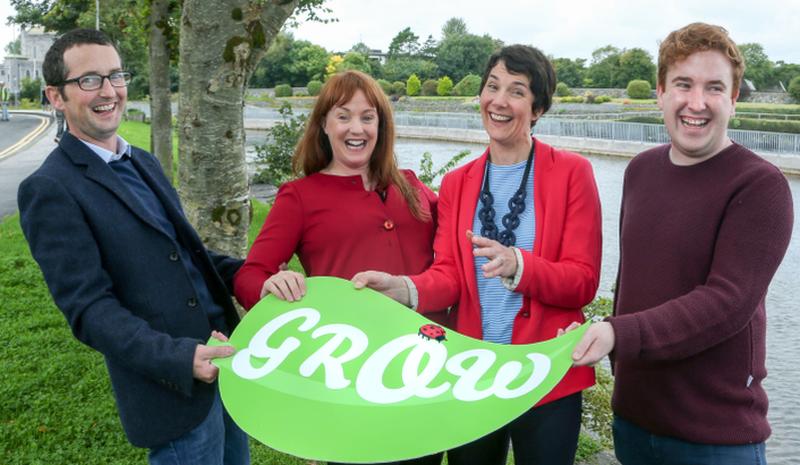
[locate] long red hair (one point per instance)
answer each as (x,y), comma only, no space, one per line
(313,153)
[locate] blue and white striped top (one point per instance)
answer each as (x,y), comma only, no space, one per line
(499,306)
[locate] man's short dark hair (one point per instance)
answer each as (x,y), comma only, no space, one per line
(53,67)
(532,63)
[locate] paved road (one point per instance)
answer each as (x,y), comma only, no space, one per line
(17,165)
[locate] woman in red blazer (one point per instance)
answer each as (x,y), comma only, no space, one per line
(532,262)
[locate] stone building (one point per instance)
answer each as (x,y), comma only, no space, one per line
(34,43)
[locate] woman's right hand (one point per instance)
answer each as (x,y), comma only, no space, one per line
(389,285)
(286,285)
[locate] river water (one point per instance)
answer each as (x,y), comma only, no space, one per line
(783,448)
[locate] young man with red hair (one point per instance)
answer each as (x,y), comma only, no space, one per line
(704,224)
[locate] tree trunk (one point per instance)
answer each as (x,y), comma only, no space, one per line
(221,43)
(160,109)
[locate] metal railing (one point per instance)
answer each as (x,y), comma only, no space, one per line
(757,141)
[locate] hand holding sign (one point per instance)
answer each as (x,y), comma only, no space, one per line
(352,376)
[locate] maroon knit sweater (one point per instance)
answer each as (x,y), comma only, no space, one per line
(699,246)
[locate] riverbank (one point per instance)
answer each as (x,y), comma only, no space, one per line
(788,164)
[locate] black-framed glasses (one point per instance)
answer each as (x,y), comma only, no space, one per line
(95,81)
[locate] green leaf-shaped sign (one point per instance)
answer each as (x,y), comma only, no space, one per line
(351,376)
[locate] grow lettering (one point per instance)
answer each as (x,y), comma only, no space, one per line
(469,367)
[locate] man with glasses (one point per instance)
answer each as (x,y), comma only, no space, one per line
(126,268)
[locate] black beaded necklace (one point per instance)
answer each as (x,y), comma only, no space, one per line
(516,205)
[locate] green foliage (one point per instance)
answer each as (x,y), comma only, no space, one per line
(750,124)
(469,86)
(571,99)
(428,175)
(413,85)
(639,89)
(794,88)
(563,90)
(314,87)
(570,72)
(597,413)
(444,86)
(462,54)
(31,89)
(14,47)
(356,61)
(386,86)
(759,69)
(399,69)
(398,88)
(454,27)
(612,67)
(635,63)
(290,61)
(768,125)
(139,87)
(404,44)
(126,23)
(602,99)
(283,90)
(274,158)
(429,87)
(604,65)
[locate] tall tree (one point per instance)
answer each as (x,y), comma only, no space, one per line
(570,72)
(759,69)
(604,66)
(221,43)
(463,54)
(404,44)
(635,63)
(161,37)
(14,47)
(454,27)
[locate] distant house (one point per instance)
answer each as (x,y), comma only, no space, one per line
(34,43)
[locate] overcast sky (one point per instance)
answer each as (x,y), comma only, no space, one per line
(562,28)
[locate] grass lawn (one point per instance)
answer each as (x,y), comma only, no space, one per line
(57,406)
(138,134)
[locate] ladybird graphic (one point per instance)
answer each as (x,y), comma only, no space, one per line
(431,331)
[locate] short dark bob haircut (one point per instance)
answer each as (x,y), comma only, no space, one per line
(532,63)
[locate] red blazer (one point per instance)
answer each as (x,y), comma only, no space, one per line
(559,277)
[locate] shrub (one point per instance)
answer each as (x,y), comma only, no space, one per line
(274,158)
(31,89)
(139,87)
(386,86)
(413,85)
(602,99)
(429,88)
(794,88)
(428,175)
(639,88)
(768,125)
(314,87)
(398,88)
(283,90)
(588,97)
(562,90)
(469,86)
(572,99)
(444,87)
